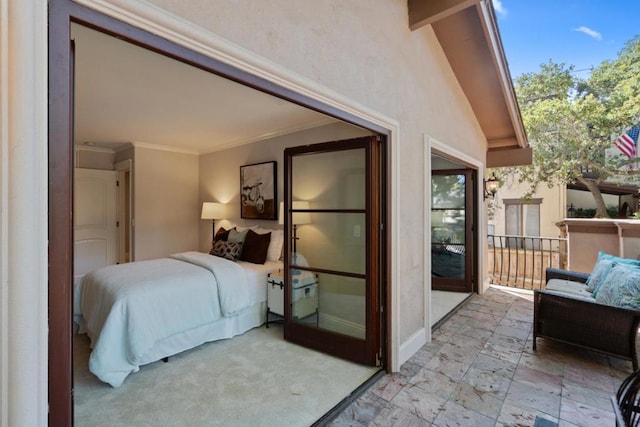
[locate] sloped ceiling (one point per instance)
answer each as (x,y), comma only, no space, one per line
(124,93)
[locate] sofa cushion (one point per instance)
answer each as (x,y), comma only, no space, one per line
(569,287)
(622,287)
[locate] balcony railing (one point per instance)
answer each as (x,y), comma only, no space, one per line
(521,261)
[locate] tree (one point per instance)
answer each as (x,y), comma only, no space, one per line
(572,122)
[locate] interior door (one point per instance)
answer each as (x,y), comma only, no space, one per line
(94,220)
(452,240)
(333,215)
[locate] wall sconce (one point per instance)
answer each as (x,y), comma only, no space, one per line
(213,211)
(491,186)
(571,211)
(298,218)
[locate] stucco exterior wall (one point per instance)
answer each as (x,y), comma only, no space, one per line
(555,202)
(552,208)
(587,237)
(365,52)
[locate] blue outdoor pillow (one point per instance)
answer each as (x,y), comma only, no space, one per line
(602,268)
(597,276)
(622,287)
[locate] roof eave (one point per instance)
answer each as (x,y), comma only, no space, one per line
(468,34)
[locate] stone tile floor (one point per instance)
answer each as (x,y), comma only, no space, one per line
(480,370)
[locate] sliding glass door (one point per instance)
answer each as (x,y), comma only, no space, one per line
(333,208)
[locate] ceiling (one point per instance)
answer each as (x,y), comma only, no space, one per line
(128,94)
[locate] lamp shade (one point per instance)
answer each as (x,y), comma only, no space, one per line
(211,210)
(298,217)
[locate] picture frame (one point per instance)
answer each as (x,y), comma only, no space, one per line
(258,191)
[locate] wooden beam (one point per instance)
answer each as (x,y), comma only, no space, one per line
(425,12)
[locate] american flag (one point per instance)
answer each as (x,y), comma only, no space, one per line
(628,142)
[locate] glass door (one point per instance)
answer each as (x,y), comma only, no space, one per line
(332,246)
(451,230)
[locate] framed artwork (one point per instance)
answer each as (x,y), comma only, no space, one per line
(258,189)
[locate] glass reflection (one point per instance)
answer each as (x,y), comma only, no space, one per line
(331,302)
(448,226)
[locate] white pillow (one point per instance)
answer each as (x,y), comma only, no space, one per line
(275,245)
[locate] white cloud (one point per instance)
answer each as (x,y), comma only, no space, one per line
(588,31)
(498,7)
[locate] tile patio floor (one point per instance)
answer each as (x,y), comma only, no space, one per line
(480,370)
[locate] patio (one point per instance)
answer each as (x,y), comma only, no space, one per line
(480,370)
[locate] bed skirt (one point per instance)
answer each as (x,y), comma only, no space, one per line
(223,328)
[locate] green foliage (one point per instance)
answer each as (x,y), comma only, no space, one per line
(612,211)
(571,121)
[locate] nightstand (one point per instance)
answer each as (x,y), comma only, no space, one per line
(305,295)
(275,295)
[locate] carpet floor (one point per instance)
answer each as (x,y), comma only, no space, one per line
(255,379)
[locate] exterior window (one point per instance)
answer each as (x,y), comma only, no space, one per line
(522,218)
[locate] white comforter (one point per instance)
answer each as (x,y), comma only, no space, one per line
(129,308)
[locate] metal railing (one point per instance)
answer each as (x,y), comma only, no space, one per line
(521,261)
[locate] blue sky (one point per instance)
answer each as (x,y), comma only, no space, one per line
(582,33)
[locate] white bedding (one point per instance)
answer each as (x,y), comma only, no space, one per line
(140,312)
(257,275)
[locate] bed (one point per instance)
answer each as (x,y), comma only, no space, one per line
(145,311)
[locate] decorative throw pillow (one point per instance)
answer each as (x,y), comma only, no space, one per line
(602,268)
(618,260)
(221,234)
(275,245)
(236,236)
(228,250)
(622,287)
(255,247)
(598,275)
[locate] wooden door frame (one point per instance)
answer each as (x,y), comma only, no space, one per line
(60,173)
(340,345)
(125,215)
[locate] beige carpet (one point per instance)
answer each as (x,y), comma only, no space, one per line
(256,379)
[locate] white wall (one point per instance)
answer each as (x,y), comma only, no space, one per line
(166,207)
(220,171)
(166,202)
(584,199)
(94,159)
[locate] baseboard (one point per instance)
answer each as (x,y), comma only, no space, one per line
(412,345)
(342,326)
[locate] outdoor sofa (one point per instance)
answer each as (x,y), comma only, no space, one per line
(599,311)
